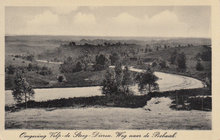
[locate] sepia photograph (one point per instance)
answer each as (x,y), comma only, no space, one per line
(108,68)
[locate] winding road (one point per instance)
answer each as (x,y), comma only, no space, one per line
(167,82)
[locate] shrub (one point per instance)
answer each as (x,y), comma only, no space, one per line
(154,64)
(173,57)
(181,61)
(61,78)
(199,66)
(10,69)
(30,57)
(163,64)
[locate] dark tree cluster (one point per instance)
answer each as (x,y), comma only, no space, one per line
(199,66)
(181,61)
(31,67)
(28,57)
(178,59)
(101,62)
(40,70)
(71,66)
(147,81)
(117,81)
(205,56)
(10,69)
(114,58)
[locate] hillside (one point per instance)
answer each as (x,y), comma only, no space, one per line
(23,53)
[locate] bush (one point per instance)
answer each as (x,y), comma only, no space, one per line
(173,57)
(78,67)
(101,62)
(154,64)
(199,66)
(206,56)
(30,57)
(181,61)
(30,67)
(10,69)
(61,78)
(163,64)
(114,58)
(45,72)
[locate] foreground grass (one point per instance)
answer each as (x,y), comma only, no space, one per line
(182,100)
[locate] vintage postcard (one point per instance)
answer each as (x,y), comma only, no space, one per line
(109,70)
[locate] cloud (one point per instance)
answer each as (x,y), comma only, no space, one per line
(83,24)
(64,10)
(44,23)
(165,17)
(82,18)
(165,23)
(125,18)
(46,18)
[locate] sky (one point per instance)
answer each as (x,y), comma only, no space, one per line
(144,21)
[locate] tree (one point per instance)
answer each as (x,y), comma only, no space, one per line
(154,64)
(199,66)
(101,62)
(84,59)
(10,69)
(30,57)
(173,57)
(72,44)
(22,90)
(146,50)
(78,67)
(118,74)
(114,58)
(181,61)
(206,55)
(147,81)
(68,66)
(109,84)
(100,59)
(163,64)
(126,80)
(30,67)
(117,81)
(61,78)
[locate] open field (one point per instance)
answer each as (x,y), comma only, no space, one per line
(151,116)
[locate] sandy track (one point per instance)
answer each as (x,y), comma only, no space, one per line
(166,83)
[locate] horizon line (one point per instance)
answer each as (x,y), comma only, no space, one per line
(106,36)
